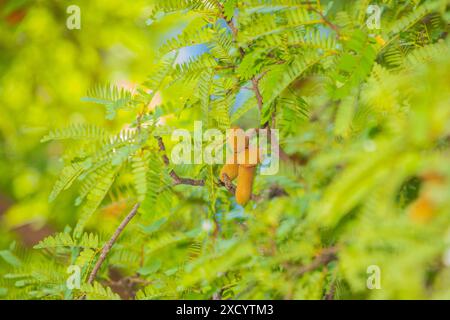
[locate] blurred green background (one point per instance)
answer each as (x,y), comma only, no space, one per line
(45,69)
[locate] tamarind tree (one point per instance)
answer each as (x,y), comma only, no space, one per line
(364,122)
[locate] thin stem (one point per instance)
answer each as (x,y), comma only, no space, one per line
(331,293)
(111,242)
(175,177)
(259,98)
(326,256)
(228,184)
(326,21)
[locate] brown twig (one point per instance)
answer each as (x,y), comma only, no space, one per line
(111,242)
(330,294)
(326,256)
(256,78)
(228,184)
(175,177)
(259,98)
(188,181)
(231,26)
(326,21)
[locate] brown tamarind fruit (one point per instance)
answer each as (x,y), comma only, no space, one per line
(246,175)
(244,188)
(245,160)
(231,170)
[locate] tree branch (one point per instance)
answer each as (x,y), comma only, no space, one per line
(326,21)
(175,177)
(326,256)
(111,242)
(228,184)
(259,98)
(330,294)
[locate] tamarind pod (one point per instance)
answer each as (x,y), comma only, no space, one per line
(244,187)
(231,170)
(249,157)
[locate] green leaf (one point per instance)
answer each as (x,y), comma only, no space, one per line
(10,258)
(154,226)
(150,268)
(111,97)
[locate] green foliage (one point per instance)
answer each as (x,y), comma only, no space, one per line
(77,132)
(98,292)
(111,97)
(88,240)
(364,177)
